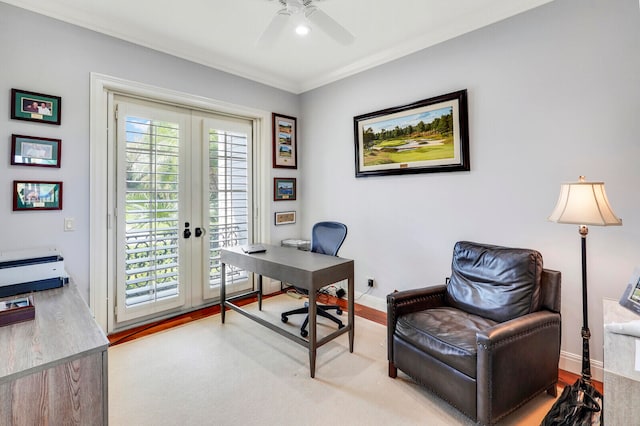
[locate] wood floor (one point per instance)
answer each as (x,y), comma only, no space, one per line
(565,378)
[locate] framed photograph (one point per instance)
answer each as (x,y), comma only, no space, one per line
(16,310)
(284,189)
(428,136)
(285,152)
(37,195)
(32,106)
(631,297)
(33,151)
(285,218)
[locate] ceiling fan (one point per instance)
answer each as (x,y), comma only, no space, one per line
(311,13)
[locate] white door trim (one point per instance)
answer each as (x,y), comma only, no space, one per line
(101,137)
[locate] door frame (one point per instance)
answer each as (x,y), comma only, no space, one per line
(101,156)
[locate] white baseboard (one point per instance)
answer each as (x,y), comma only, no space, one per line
(371,301)
(568,361)
(270,285)
(573,364)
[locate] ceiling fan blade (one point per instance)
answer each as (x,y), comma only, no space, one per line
(275,27)
(329,25)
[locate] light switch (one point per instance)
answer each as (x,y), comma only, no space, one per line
(69,224)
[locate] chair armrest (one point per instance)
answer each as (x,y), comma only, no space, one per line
(517,357)
(511,331)
(407,301)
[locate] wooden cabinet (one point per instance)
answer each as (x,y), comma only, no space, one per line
(53,369)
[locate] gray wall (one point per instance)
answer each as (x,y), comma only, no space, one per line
(553,94)
(40,54)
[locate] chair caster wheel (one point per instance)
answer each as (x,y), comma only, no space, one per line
(339,311)
(284,319)
(304,333)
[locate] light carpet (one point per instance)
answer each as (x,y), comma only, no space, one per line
(241,373)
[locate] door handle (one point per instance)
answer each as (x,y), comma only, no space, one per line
(199,232)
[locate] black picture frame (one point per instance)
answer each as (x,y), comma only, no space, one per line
(427,136)
(35,151)
(33,106)
(284,189)
(631,297)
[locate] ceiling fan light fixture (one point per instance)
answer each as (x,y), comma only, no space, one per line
(303,29)
(312,16)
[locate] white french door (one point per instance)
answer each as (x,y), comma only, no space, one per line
(226,206)
(183,191)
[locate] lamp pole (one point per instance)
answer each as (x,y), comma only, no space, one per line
(586,334)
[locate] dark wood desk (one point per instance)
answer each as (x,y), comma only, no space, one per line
(304,269)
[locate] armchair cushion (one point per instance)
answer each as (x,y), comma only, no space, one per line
(446,334)
(498,283)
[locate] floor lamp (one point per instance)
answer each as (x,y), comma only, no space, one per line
(584,203)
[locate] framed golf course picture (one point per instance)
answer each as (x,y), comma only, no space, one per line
(427,136)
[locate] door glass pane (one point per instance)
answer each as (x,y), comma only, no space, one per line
(151,211)
(228,199)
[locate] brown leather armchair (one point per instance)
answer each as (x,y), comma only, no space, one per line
(489,340)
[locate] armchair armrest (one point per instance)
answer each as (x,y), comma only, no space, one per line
(511,331)
(407,301)
(515,358)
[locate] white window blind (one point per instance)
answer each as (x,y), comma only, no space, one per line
(228,198)
(151,216)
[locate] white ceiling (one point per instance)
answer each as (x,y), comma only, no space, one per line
(222,34)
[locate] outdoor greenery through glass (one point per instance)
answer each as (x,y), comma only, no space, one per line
(152,222)
(152,206)
(228,199)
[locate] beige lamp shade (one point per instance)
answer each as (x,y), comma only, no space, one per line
(584,203)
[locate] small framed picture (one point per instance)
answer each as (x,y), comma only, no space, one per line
(32,106)
(284,189)
(37,195)
(285,152)
(16,310)
(631,297)
(285,218)
(33,151)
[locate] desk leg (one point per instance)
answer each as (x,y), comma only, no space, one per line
(259,292)
(350,298)
(222,290)
(313,337)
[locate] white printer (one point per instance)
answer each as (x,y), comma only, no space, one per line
(24,271)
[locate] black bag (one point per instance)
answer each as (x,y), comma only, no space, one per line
(579,404)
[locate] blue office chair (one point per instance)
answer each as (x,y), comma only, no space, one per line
(326,238)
